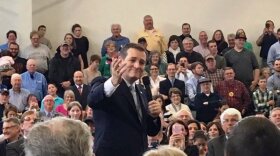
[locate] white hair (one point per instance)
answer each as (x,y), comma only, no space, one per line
(230,111)
(187,39)
(165,151)
(183,110)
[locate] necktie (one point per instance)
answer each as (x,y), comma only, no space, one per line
(136,102)
(32,75)
(80,89)
(49,115)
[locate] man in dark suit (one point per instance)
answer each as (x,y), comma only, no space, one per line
(229,118)
(80,90)
(123,117)
(171,82)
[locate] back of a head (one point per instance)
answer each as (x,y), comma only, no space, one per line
(59,137)
(254,136)
(165,151)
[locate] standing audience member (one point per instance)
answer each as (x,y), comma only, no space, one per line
(92,71)
(33,81)
(11,37)
(82,43)
(62,68)
(218,36)
(18,95)
(273,82)
(273,52)
(229,119)
(186,32)
(42,32)
(212,72)
(202,47)
(231,43)
(247,44)
(266,39)
(73,139)
(120,40)
(220,60)
(143,42)
(174,47)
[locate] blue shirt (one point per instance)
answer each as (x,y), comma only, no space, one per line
(36,85)
(57,101)
(120,42)
(4,47)
(19,99)
(273,54)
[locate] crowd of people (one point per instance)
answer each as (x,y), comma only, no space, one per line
(134,97)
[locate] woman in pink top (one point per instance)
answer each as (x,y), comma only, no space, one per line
(69,96)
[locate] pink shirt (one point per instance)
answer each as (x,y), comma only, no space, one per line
(60,109)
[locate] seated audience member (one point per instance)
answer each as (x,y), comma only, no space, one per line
(75,110)
(175,106)
(28,119)
(48,112)
(52,89)
(32,103)
(91,125)
(73,139)
(106,60)
(233,91)
(183,73)
(266,72)
(207,102)
(33,81)
(92,71)
(220,60)
(275,117)
(212,72)
(11,37)
(120,40)
(166,151)
(156,60)
(61,63)
(4,102)
(203,127)
(265,40)
(37,51)
(11,131)
(171,82)
(163,115)
(152,81)
(253,136)
(69,96)
(184,115)
(202,47)
(193,126)
(80,90)
(231,43)
(218,36)
(18,95)
(10,112)
(174,47)
(155,141)
(188,52)
(42,39)
(82,43)
(192,84)
(262,98)
(177,134)
(19,65)
(69,39)
(89,112)
(223,106)
(214,130)
(229,118)
(200,141)
(273,52)
(143,42)
(273,82)
(247,44)
(186,32)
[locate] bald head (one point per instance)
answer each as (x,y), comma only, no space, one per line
(78,78)
(31,65)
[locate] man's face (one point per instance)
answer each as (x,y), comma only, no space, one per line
(228,122)
(29,121)
(275,117)
(116,30)
(16,82)
(13,49)
(48,103)
(31,66)
(239,43)
(12,37)
(198,70)
(231,41)
(35,40)
(10,130)
(148,23)
(203,37)
(175,98)
(171,70)
(78,31)
(276,65)
(184,60)
(210,64)
(186,30)
(78,78)
(135,63)
(213,49)
(271,26)
(188,45)
(229,74)
(42,31)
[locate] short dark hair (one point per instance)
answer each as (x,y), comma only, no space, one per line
(253,136)
(174,91)
(211,41)
(41,26)
(228,68)
(219,127)
(95,58)
(196,122)
(199,135)
(123,52)
(194,64)
(11,32)
(186,24)
(75,26)
(13,43)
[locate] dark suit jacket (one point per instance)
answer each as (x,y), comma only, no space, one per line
(81,98)
(118,128)
(3,145)
(216,146)
(15,148)
(165,85)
